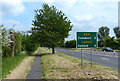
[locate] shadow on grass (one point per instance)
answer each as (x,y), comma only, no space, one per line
(42,54)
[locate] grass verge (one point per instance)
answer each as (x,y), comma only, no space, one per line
(9,63)
(61,66)
(77,49)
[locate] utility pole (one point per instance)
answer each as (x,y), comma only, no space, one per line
(12,43)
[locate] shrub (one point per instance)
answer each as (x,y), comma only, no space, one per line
(70,44)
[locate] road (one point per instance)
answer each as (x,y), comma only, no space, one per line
(103,59)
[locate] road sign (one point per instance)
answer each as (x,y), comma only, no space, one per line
(86,40)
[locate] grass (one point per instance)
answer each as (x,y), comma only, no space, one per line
(85,62)
(61,66)
(9,63)
(76,49)
(117,50)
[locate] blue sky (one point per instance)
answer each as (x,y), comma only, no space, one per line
(86,15)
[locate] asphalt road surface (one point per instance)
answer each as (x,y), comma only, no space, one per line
(98,57)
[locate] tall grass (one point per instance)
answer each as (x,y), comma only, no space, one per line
(9,63)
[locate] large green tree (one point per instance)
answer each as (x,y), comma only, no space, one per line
(51,26)
(103,32)
(117,31)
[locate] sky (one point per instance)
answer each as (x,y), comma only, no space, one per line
(85,15)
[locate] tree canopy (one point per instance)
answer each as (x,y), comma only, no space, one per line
(51,26)
(103,32)
(117,31)
(70,44)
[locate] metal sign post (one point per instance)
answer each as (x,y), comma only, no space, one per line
(86,40)
(91,57)
(81,59)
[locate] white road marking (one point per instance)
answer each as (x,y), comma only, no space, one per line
(105,58)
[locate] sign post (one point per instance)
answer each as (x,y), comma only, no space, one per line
(91,57)
(86,40)
(81,59)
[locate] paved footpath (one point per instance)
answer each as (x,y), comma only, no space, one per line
(35,72)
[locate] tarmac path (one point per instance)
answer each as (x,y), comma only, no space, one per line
(36,71)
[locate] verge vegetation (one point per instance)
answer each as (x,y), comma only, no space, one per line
(9,63)
(15,46)
(22,69)
(61,66)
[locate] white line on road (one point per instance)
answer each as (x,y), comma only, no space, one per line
(105,58)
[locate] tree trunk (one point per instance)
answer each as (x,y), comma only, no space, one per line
(13,48)
(53,50)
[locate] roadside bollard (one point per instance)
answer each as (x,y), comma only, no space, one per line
(96,51)
(114,52)
(104,51)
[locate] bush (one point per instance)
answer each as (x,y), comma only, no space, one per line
(109,42)
(30,44)
(6,51)
(18,44)
(70,44)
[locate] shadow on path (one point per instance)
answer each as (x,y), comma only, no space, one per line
(42,54)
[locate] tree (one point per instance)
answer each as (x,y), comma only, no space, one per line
(117,31)
(6,50)
(70,44)
(51,26)
(1,39)
(18,42)
(29,44)
(103,31)
(100,43)
(119,43)
(113,43)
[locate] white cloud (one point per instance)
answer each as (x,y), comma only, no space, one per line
(83,17)
(64,3)
(49,1)
(68,3)
(11,7)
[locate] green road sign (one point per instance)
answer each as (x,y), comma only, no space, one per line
(86,40)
